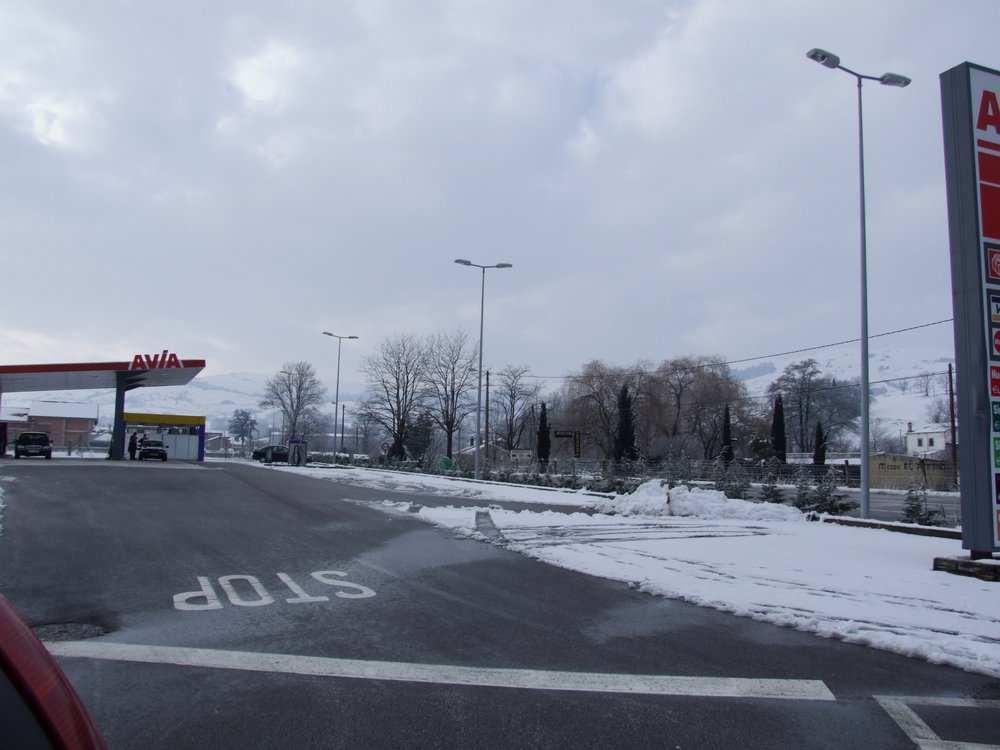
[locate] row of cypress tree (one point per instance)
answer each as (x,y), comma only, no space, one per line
(625,449)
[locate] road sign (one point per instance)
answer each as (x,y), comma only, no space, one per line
(563,433)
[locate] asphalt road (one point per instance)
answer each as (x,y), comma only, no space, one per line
(233,606)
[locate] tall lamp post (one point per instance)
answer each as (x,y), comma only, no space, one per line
(479,387)
(830,60)
(336,397)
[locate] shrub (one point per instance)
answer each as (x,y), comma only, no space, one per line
(915,508)
(827,497)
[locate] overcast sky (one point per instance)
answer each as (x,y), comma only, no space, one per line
(227,180)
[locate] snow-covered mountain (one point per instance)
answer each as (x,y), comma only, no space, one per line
(215,397)
(904,383)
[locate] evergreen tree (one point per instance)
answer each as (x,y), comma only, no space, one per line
(827,497)
(727,438)
(544,442)
(769,489)
(778,431)
(420,435)
(736,482)
(915,508)
(242,425)
(625,437)
(803,489)
(680,470)
(819,451)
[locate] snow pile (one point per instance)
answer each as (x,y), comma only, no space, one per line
(712,504)
(649,499)
(653,498)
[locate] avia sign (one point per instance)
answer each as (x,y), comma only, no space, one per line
(162,361)
(970,103)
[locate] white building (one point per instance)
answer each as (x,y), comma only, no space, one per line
(928,440)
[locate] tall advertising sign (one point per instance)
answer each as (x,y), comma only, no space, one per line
(970,105)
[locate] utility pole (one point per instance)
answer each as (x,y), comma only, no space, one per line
(486,429)
(951,419)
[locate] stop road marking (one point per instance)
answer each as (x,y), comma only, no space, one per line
(248,591)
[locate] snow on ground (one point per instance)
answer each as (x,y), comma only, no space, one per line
(865,586)
(401,481)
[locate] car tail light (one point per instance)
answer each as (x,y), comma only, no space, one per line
(44,686)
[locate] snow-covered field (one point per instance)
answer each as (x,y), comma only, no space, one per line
(865,586)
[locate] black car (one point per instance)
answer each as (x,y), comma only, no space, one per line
(152,449)
(32,444)
(277,453)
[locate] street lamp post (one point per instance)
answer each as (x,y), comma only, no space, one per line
(829,60)
(336,396)
(479,387)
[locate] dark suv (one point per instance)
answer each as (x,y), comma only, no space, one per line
(32,444)
(277,453)
(152,449)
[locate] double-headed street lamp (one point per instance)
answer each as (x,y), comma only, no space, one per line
(336,397)
(830,60)
(479,388)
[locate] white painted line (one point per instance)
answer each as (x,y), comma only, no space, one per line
(915,727)
(527,679)
(925,738)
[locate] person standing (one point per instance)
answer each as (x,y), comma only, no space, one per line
(133,446)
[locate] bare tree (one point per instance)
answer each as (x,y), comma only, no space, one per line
(592,404)
(679,407)
(513,398)
(799,385)
(884,439)
(937,411)
(647,405)
(925,382)
(396,373)
(450,377)
(810,397)
(368,434)
(713,387)
(678,376)
(296,392)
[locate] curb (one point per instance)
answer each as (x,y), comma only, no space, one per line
(897,527)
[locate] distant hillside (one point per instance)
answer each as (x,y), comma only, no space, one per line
(214,397)
(904,383)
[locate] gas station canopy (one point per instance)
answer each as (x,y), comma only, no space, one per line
(164,368)
(76,376)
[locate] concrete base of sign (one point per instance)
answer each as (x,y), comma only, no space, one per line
(986,569)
